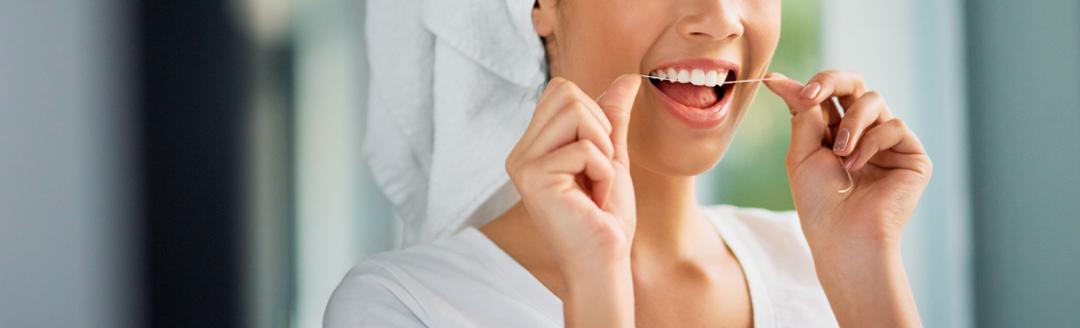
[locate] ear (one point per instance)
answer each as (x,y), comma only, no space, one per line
(543,17)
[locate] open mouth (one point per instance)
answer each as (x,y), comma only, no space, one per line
(694,88)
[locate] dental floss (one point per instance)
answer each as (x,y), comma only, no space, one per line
(725,82)
(835,101)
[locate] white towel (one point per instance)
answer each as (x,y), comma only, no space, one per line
(453,86)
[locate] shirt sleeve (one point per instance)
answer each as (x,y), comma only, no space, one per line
(369,296)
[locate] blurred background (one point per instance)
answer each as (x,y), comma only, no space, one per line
(197,163)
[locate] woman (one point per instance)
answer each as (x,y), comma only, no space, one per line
(607,231)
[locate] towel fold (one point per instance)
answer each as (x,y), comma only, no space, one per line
(453,87)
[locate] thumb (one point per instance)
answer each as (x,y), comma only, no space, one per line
(617,101)
(788,90)
(808,126)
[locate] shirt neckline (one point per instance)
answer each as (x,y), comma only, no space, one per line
(517,278)
(764,316)
(533,291)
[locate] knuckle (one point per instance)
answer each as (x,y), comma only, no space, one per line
(856,75)
(585,147)
(517,176)
(527,177)
(871,136)
(898,123)
(823,76)
(580,109)
(592,151)
(873,96)
(566,86)
(556,81)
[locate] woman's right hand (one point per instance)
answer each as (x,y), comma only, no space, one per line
(572,171)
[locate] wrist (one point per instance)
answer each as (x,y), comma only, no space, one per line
(867,286)
(855,250)
(602,297)
(601,275)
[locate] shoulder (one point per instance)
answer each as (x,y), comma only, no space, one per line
(774,239)
(390,289)
(370,295)
(775,231)
(459,281)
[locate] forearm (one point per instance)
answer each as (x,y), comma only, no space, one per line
(603,297)
(867,287)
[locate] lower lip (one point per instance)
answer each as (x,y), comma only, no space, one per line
(698,118)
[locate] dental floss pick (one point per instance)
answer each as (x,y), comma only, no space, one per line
(835,101)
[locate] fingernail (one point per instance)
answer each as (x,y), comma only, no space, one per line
(841,140)
(850,163)
(810,91)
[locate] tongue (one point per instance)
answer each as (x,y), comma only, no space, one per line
(690,95)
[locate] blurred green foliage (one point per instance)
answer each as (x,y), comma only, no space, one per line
(752,172)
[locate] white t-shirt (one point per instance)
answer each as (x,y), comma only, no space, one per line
(467,281)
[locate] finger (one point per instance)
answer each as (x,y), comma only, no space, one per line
(808,127)
(892,135)
(546,107)
(559,94)
(847,85)
(573,123)
(788,91)
(866,111)
(577,158)
(617,102)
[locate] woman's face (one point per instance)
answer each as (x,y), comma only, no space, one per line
(676,129)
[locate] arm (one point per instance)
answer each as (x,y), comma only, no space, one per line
(589,226)
(854,234)
(604,298)
(867,288)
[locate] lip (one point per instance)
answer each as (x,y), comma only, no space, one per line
(699,118)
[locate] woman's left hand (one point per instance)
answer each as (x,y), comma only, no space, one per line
(854,236)
(885,158)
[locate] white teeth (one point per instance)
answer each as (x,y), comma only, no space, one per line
(697,77)
(683,77)
(711,78)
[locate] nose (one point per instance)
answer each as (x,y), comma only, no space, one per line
(710,20)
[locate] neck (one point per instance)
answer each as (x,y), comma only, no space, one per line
(669,221)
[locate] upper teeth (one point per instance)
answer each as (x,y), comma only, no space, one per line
(695,76)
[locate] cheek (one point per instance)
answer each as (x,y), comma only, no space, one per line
(763,30)
(602,39)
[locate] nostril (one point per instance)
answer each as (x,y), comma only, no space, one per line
(700,35)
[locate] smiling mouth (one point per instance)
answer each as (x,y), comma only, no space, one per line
(694,88)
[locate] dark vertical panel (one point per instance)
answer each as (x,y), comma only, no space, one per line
(1024,64)
(66,193)
(192,80)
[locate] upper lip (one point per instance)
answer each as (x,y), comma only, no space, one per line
(705,64)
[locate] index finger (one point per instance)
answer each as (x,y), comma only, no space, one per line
(560,93)
(845,85)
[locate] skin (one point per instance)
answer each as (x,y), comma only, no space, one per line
(608,219)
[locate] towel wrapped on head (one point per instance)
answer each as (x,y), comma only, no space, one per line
(453,87)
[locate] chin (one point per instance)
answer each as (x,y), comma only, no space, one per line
(666,146)
(677,158)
